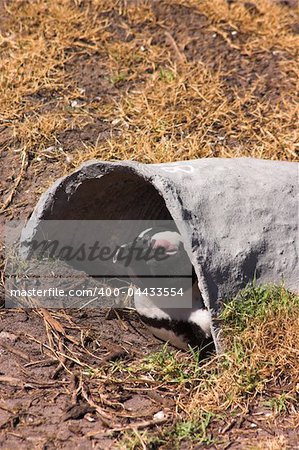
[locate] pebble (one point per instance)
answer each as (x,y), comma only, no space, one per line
(6,336)
(160,415)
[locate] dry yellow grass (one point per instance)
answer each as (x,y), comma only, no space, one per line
(168,105)
(277,443)
(158,81)
(258,374)
(263,356)
(268,26)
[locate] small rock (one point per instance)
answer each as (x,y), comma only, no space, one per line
(160,415)
(64,434)
(89,418)
(50,149)
(6,336)
(137,403)
(77,104)
(76,412)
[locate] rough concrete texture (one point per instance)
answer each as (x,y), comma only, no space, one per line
(238,217)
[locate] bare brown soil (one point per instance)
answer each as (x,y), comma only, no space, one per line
(42,405)
(54,401)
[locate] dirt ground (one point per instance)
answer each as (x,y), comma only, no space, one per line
(51,401)
(45,404)
(103,94)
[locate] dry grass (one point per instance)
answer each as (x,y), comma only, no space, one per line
(167,105)
(268,26)
(258,373)
(155,82)
(224,400)
(263,354)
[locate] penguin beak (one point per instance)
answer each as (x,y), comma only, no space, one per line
(170,249)
(171,242)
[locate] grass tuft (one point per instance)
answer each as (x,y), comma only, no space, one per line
(259,369)
(255,303)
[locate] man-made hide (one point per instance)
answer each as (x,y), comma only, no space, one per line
(238,217)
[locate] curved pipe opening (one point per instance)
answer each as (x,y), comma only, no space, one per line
(119,195)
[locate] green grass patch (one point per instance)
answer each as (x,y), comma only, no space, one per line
(190,430)
(254,303)
(258,326)
(166,75)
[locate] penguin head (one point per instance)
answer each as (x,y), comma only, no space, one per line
(149,241)
(164,255)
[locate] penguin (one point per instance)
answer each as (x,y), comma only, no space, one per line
(188,325)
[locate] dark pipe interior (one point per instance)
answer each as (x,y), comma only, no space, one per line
(118,195)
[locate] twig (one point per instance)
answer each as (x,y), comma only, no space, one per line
(105,417)
(56,353)
(42,362)
(15,351)
(225,37)
(136,426)
(180,56)
(17,182)
(260,426)
(228,426)
(140,438)
(11,380)
(51,321)
(76,389)
(61,364)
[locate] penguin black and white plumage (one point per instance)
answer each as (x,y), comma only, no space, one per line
(184,326)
